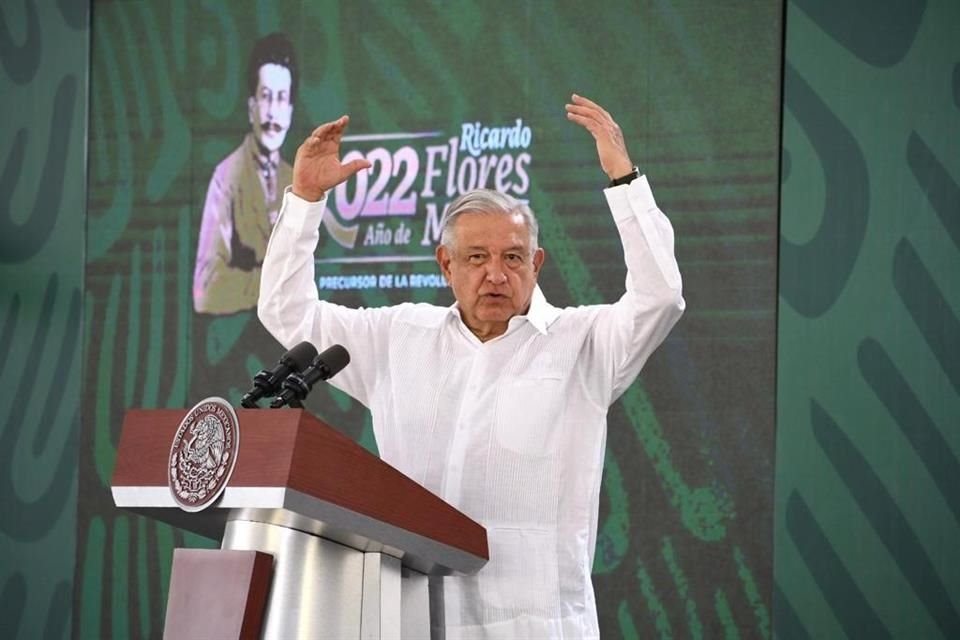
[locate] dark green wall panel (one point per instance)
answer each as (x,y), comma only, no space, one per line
(43,84)
(868,338)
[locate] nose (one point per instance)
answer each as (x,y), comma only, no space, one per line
(269,106)
(495,273)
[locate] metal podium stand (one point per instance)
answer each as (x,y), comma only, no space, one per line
(353,540)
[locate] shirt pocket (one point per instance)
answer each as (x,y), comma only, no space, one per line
(529,409)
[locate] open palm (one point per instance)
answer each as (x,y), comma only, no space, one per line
(317,167)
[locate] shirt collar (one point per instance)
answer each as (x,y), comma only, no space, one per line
(540,315)
(267,163)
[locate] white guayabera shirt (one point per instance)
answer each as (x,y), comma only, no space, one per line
(510,431)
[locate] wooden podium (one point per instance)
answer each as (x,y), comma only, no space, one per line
(353,539)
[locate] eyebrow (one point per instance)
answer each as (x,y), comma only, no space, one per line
(477,247)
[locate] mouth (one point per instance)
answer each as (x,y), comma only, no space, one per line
(271,127)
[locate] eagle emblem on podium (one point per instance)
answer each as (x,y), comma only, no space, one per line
(203,454)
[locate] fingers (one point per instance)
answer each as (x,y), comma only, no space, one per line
(354,166)
(592,121)
(587,102)
(328,130)
(586,108)
(590,114)
(589,124)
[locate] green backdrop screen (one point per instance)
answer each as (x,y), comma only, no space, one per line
(444,97)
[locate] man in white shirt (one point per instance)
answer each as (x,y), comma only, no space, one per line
(498,403)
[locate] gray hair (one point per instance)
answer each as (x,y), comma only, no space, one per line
(487,201)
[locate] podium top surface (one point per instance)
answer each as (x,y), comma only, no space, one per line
(294,470)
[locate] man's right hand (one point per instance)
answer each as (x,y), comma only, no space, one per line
(317,166)
(611,149)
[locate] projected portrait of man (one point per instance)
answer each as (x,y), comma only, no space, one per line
(246,189)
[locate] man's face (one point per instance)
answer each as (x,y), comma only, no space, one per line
(491,270)
(270,107)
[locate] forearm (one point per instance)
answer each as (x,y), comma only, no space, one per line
(635,325)
(291,309)
(288,292)
(647,236)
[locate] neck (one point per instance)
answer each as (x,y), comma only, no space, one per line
(486,331)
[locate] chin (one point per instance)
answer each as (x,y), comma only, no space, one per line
(272,143)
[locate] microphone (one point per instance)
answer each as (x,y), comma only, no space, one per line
(267,381)
(298,385)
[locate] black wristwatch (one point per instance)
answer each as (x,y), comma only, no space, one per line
(627,179)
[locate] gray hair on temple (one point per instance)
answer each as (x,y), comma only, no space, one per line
(487,201)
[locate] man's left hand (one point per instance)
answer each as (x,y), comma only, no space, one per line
(612,150)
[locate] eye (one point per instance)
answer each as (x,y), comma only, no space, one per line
(475,258)
(513,259)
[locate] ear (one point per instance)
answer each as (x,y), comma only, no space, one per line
(443,259)
(539,257)
(251,109)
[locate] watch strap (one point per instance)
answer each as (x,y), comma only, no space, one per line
(627,179)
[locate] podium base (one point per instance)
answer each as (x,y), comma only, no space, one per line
(217,594)
(323,589)
(317,584)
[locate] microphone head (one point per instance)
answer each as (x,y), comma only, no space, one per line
(300,357)
(268,381)
(333,359)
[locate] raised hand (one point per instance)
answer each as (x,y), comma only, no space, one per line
(317,166)
(611,149)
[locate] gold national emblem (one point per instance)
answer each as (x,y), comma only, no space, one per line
(203,454)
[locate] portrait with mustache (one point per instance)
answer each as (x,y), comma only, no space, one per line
(246,189)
